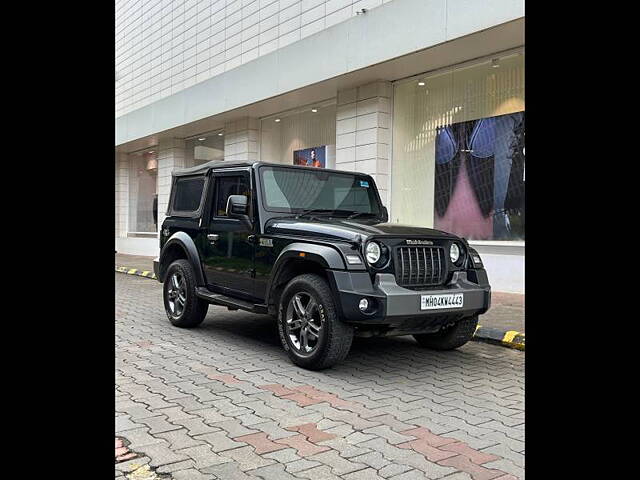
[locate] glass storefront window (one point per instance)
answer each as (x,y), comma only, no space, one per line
(204,148)
(300,136)
(143,206)
(458,150)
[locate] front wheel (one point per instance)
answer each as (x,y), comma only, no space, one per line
(449,338)
(310,330)
(181,304)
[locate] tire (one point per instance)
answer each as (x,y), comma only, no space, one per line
(449,338)
(193,308)
(332,336)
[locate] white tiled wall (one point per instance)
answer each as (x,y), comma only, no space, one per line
(363,132)
(164,46)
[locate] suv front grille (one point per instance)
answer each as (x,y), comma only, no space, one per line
(420,266)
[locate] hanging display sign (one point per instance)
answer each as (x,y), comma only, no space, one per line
(311,157)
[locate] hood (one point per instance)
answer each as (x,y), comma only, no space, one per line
(348,230)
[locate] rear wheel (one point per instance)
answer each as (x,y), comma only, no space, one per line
(310,330)
(184,309)
(452,337)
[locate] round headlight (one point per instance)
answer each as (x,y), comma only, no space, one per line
(454,252)
(373,252)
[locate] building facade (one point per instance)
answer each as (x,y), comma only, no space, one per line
(427,96)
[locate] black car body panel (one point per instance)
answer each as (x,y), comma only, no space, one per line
(252,260)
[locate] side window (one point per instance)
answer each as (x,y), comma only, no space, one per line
(188,194)
(229,185)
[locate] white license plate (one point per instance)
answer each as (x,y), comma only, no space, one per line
(434,302)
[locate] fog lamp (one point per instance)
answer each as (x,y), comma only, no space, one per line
(363,305)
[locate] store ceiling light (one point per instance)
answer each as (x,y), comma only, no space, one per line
(202,138)
(277,120)
(151,151)
(314,110)
(220,134)
(421,83)
(495,63)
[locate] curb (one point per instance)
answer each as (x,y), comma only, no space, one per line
(506,338)
(137,272)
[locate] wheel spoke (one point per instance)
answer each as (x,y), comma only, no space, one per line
(304,341)
(311,306)
(313,329)
(294,324)
(297,306)
(174,282)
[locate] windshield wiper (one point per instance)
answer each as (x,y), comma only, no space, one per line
(357,214)
(314,210)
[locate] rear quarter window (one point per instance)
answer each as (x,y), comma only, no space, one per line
(188,194)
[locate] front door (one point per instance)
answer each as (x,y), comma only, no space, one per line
(229,255)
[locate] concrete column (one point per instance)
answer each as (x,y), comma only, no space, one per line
(363,135)
(122,195)
(171,154)
(241,139)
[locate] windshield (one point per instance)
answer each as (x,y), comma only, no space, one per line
(290,190)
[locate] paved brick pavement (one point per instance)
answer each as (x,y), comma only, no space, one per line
(222,401)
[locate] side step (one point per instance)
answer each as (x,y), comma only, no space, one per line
(233,303)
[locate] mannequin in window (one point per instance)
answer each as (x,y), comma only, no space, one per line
(314,160)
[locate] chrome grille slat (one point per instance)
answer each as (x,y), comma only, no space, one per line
(414,271)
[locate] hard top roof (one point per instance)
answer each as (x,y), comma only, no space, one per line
(213,164)
(217,164)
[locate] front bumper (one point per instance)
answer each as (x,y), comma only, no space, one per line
(399,307)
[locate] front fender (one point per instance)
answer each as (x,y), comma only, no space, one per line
(324,255)
(186,243)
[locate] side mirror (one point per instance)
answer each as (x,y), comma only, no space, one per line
(385,214)
(237,207)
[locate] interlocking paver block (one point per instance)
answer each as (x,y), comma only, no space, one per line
(301,399)
(344,448)
(299,465)
(373,459)
(311,431)
(227,471)
(302,446)
(431,453)
(272,472)
(427,436)
(233,428)
(196,426)
(277,389)
(339,465)
(247,459)
(366,474)
(161,454)
(506,466)
(191,474)
(260,442)
(204,456)
(385,432)
(179,439)
(474,455)
(322,472)
(503,451)
(477,472)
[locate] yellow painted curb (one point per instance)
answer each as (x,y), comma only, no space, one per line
(135,271)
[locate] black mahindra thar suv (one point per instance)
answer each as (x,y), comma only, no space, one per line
(313,247)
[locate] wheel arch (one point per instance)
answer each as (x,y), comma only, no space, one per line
(299,258)
(180,246)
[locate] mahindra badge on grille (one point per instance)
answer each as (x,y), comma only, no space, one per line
(419,242)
